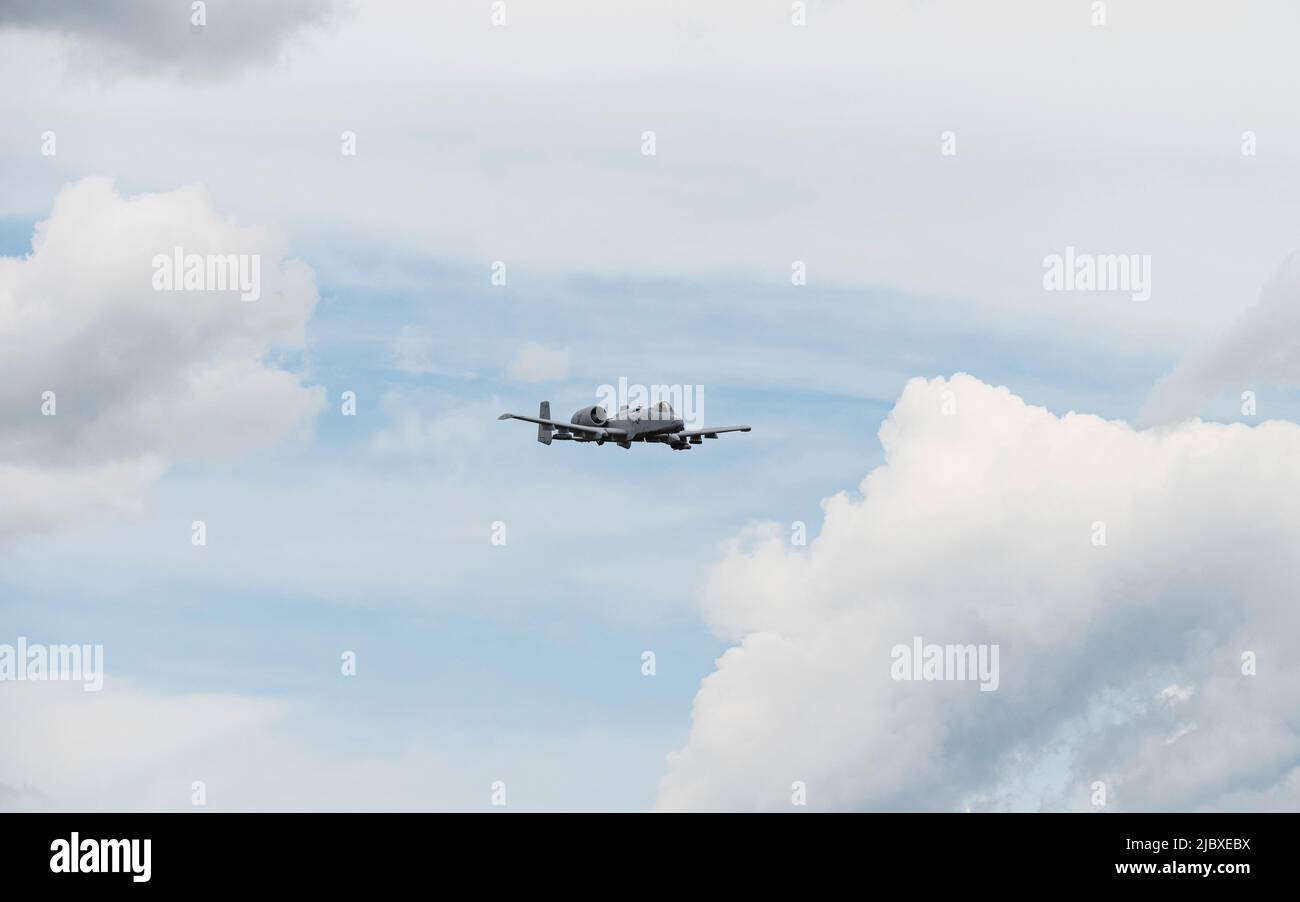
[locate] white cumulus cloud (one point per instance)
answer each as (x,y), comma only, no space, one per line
(135,377)
(985,526)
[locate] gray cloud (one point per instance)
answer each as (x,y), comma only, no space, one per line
(1262,347)
(144,36)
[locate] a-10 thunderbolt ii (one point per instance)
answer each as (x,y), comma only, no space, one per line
(653,424)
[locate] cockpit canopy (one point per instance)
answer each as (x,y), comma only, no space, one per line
(660,410)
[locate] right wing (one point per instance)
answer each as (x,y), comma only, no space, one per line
(606,431)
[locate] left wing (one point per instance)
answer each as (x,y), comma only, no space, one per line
(711,433)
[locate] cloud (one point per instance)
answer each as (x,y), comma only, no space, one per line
(142,36)
(125,746)
(1262,347)
(37,498)
(980,528)
(106,379)
(539,363)
(132,747)
(730,194)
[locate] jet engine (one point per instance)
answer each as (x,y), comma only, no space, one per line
(590,416)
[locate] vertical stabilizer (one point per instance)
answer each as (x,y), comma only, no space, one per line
(544,430)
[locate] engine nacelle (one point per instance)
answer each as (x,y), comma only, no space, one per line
(590,416)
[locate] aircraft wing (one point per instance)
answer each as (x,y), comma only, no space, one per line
(607,431)
(711,433)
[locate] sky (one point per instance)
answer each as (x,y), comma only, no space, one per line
(830,221)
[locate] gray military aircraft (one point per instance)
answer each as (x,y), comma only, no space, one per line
(653,424)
